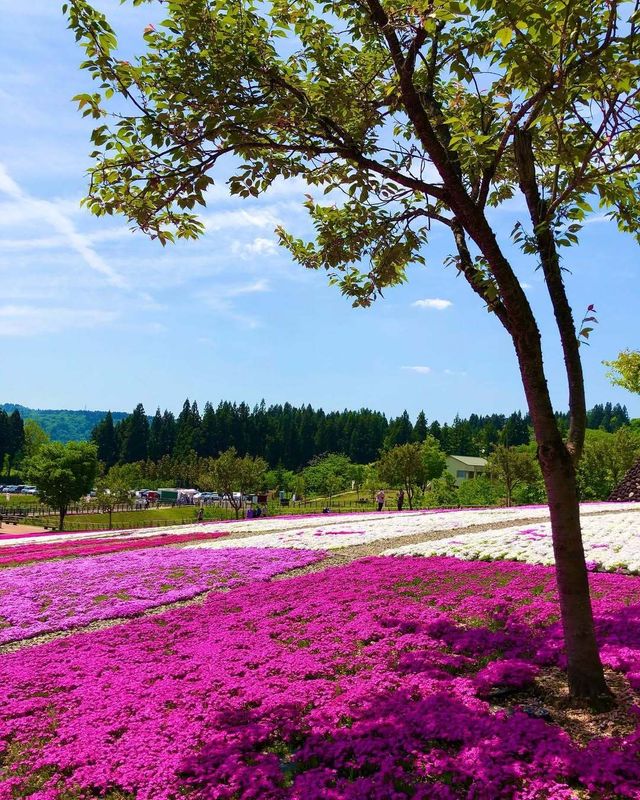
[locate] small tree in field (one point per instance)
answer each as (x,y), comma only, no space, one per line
(423,114)
(403,466)
(234,477)
(112,491)
(434,461)
(63,473)
(512,467)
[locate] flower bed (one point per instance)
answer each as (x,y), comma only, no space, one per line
(35,551)
(340,532)
(611,542)
(62,595)
(364,681)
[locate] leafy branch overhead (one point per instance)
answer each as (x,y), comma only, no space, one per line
(410,110)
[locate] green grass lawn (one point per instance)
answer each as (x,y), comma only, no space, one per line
(345,502)
(138,519)
(18,500)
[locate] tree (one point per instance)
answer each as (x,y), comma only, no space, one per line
(111,492)
(400,431)
(328,474)
(625,370)
(234,477)
(104,436)
(434,461)
(480,491)
(421,118)
(420,428)
(134,436)
(4,437)
(403,466)
(443,492)
(63,473)
(513,467)
(129,475)
(34,438)
(605,460)
(15,439)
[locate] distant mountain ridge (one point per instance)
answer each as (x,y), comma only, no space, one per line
(64,425)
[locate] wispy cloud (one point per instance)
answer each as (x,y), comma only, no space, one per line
(51,212)
(254,218)
(433,302)
(35,320)
(455,372)
(419,369)
(222,299)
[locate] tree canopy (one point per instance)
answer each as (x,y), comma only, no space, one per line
(625,370)
(63,473)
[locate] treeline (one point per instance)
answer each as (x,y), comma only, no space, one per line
(12,441)
(62,425)
(291,437)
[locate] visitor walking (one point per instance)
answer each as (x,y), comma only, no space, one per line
(380,500)
(400,499)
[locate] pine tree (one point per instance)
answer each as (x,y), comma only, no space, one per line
(104,437)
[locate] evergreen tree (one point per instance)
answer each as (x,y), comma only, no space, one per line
(400,431)
(420,429)
(134,436)
(155,437)
(104,437)
(4,437)
(168,439)
(15,439)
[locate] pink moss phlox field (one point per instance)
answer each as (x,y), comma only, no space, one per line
(24,553)
(359,682)
(61,595)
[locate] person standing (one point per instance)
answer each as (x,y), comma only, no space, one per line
(380,500)
(400,499)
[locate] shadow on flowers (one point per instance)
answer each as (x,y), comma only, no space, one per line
(401,745)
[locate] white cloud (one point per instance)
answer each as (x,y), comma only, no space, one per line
(526,285)
(52,213)
(433,302)
(34,320)
(255,287)
(261,246)
(457,373)
(221,300)
(420,370)
(255,218)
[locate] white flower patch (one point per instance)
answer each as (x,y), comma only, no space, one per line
(323,531)
(611,542)
(348,530)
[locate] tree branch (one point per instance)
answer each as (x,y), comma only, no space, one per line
(538,212)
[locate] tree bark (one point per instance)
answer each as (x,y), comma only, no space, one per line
(584,668)
(63,513)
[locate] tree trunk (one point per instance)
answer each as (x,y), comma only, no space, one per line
(584,669)
(110,512)
(63,513)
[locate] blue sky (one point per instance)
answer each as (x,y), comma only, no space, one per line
(92,316)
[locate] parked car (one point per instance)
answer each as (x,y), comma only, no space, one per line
(30,490)
(206,498)
(10,489)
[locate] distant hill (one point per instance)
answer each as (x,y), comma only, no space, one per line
(63,425)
